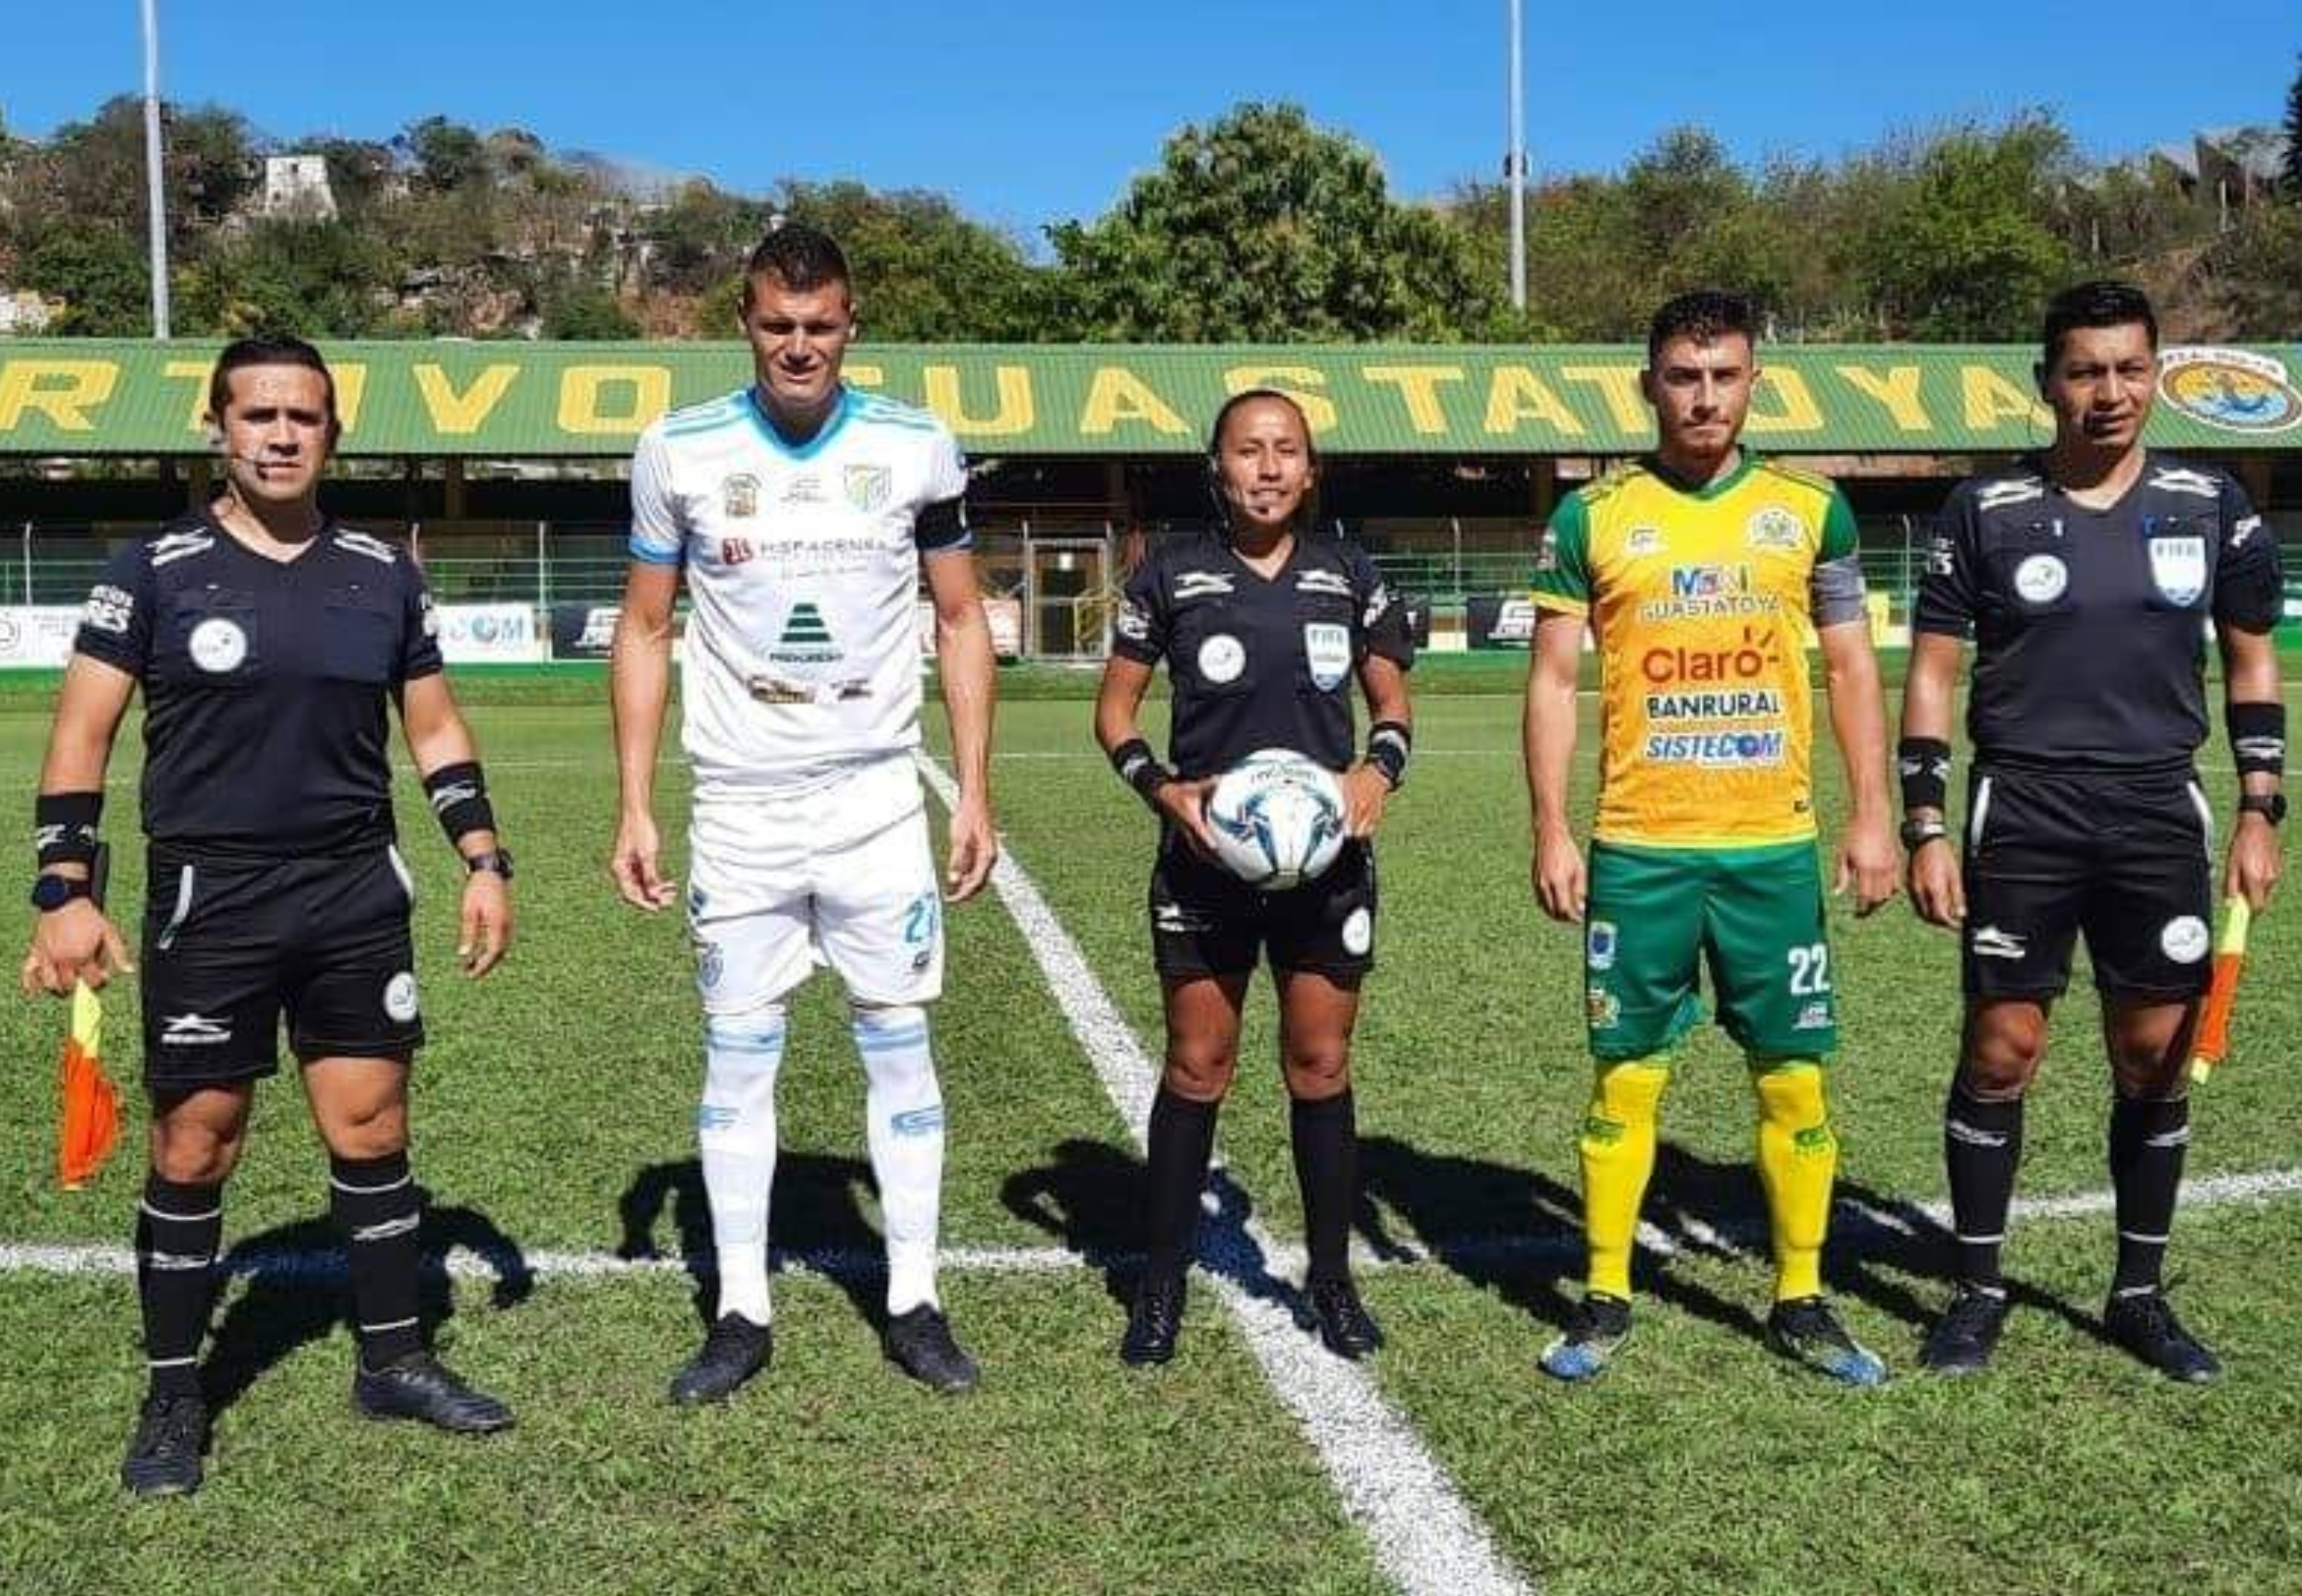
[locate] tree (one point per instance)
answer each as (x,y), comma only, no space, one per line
(924,271)
(448,154)
(1261,227)
(314,279)
(99,271)
(584,310)
(2291,169)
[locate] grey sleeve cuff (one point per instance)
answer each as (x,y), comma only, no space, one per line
(1835,593)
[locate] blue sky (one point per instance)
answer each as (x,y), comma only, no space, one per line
(1033,111)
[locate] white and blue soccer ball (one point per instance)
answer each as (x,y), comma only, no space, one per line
(1277,818)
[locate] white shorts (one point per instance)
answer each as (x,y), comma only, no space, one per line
(841,875)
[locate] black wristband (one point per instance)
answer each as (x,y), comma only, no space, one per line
(2257,734)
(458,795)
(1388,743)
(64,827)
(1140,769)
(1924,765)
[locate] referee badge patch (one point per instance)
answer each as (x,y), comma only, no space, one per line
(1327,649)
(2042,578)
(218,645)
(2177,568)
(399,996)
(2185,939)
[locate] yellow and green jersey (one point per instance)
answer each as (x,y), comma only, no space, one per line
(1701,602)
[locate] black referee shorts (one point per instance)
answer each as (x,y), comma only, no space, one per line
(1205,921)
(2127,860)
(231,945)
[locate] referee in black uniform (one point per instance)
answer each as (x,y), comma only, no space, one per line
(2087,577)
(1265,628)
(268,641)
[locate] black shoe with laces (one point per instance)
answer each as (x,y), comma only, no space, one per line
(1344,1326)
(164,1459)
(734,1350)
(920,1344)
(419,1386)
(1964,1339)
(1806,1331)
(1153,1323)
(2144,1323)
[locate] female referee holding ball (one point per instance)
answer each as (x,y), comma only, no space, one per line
(1263,626)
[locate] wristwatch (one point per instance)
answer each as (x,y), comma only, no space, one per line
(1917,834)
(498,860)
(2270,806)
(50,892)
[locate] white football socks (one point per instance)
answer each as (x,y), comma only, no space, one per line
(902,1108)
(735,1131)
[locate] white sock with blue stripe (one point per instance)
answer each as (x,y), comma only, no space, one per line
(735,1132)
(904,1109)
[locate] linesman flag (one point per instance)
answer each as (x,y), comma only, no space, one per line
(89,1127)
(2212,1043)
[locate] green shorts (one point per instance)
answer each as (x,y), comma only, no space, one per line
(1754,915)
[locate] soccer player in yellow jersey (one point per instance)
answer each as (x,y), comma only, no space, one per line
(1701,571)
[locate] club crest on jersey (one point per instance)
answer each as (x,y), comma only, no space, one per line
(739,494)
(1327,649)
(1221,658)
(218,645)
(1775,527)
(2177,568)
(869,487)
(2042,578)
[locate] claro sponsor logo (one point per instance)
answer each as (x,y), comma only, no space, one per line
(1757,656)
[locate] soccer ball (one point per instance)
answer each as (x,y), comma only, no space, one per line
(1277,818)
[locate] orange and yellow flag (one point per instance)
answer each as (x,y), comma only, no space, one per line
(90,1125)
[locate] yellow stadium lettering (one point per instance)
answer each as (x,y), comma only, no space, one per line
(1793,407)
(643,392)
(1418,385)
(1897,390)
(1619,386)
(193,374)
(1292,381)
(63,391)
(460,415)
(1515,394)
(861,373)
(1991,399)
(1116,395)
(1016,414)
(351,388)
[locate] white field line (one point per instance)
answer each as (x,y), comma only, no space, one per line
(1741,1233)
(1425,1536)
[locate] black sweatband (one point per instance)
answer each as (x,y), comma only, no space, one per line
(1924,765)
(2257,734)
(1388,743)
(458,795)
(1140,769)
(63,827)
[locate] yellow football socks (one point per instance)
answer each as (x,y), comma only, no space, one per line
(1798,1157)
(1618,1146)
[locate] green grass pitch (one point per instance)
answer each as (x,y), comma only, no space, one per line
(554,1113)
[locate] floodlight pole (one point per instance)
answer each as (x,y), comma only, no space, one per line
(155,190)
(1514,163)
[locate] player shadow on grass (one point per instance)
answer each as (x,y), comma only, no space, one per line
(816,1214)
(294,1291)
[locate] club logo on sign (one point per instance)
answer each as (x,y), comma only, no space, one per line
(2177,568)
(1327,649)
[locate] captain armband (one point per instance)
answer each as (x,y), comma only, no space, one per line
(2257,734)
(1388,743)
(458,796)
(1140,769)
(1924,765)
(64,827)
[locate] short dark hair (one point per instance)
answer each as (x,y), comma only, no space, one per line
(1705,316)
(278,349)
(799,257)
(2103,303)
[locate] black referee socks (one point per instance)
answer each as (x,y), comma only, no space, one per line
(1982,1147)
(1325,1134)
(2147,1142)
(1181,1144)
(179,1226)
(376,1205)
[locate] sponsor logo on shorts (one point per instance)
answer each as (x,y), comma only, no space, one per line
(193,1030)
(1599,945)
(1179,921)
(917,1122)
(1812,1141)
(1222,658)
(2042,578)
(1602,1009)
(710,964)
(399,996)
(1815,1016)
(218,645)
(739,495)
(1775,527)
(2185,939)
(1359,932)
(1989,942)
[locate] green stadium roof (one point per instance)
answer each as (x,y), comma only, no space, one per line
(122,397)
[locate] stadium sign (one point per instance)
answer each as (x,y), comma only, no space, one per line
(120,397)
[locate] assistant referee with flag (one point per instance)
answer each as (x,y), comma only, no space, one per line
(267,640)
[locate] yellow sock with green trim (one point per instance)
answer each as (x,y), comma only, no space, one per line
(1618,1147)
(1798,1158)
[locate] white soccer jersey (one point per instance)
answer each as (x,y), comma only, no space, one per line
(803,564)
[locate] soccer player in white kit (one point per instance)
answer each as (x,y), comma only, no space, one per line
(803,514)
